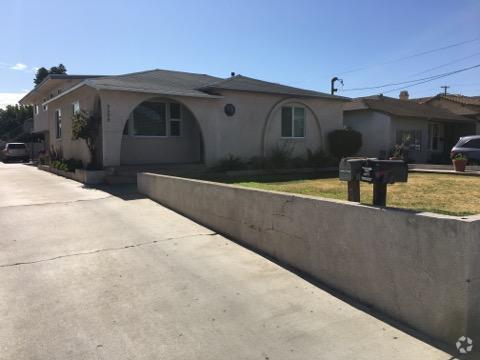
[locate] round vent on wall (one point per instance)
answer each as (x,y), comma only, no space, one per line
(229,109)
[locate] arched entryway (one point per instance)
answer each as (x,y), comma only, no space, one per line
(161,131)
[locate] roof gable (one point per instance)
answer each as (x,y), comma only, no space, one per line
(403,108)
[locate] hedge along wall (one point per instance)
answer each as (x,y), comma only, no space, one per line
(418,268)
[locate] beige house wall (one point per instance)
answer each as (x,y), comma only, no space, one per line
(76,149)
(252,131)
(375,130)
(47,91)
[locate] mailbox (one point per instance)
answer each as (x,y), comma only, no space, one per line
(380,173)
(350,169)
(384,171)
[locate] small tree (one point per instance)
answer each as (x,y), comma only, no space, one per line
(86,126)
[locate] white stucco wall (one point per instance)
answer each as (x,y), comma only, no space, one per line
(75,149)
(375,130)
(252,131)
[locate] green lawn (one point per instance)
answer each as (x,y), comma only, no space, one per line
(446,194)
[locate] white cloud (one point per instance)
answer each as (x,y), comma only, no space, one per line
(19,66)
(10,98)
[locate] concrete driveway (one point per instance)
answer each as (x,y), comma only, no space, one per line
(90,274)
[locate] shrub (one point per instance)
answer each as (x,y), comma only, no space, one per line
(257,162)
(280,156)
(230,163)
(344,142)
(319,159)
(67,165)
(86,126)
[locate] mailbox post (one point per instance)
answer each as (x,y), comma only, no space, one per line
(350,170)
(380,173)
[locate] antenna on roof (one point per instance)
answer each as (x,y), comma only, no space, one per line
(333,90)
(445,87)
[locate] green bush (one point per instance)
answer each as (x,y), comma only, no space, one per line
(344,142)
(67,165)
(319,159)
(280,157)
(230,163)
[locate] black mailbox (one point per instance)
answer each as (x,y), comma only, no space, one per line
(380,173)
(350,169)
(384,171)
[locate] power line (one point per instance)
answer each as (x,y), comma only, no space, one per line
(438,77)
(446,64)
(426,79)
(411,56)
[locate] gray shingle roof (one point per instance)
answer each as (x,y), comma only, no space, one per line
(244,83)
(156,81)
(405,108)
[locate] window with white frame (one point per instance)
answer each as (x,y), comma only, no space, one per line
(293,122)
(36,109)
(175,118)
(58,123)
(75,107)
(45,107)
(152,118)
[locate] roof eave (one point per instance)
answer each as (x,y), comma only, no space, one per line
(315,96)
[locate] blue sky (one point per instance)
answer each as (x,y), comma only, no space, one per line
(300,43)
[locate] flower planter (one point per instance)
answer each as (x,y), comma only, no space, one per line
(90,177)
(459,165)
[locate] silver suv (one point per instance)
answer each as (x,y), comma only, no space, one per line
(15,151)
(468,146)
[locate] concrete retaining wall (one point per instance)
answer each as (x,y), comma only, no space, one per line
(89,177)
(418,268)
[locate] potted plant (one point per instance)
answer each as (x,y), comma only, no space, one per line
(459,162)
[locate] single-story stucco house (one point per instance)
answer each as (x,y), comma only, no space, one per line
(428,131)
(467,106)
(172,117)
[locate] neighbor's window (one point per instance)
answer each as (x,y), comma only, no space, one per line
(36,109)
(175,119)
(434,136)
(410,138)
(75,107)
(58,123)
(150,119)
(293,121)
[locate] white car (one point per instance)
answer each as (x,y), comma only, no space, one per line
(15,151)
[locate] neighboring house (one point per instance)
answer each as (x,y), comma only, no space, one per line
(159,116)
(468,106)
(428,131)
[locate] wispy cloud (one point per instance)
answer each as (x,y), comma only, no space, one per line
(10,98)
(19,66)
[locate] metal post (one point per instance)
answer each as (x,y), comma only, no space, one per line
(354,190)
(379,194)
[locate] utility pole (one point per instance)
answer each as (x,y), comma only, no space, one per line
(445,87)
(333,90)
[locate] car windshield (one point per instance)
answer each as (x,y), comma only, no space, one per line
(16,146)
